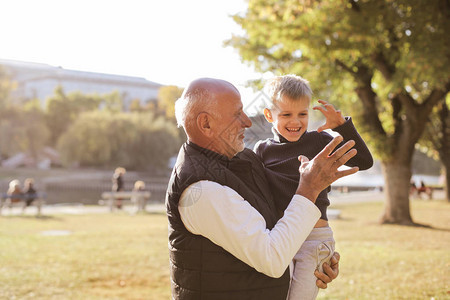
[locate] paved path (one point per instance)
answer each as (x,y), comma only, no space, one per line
(371,196)
(355,197)
(78,209)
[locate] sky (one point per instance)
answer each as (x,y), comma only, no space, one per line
(168,41)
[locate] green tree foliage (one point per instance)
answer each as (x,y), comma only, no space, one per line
(63,109)
(132,140)
(36,131)
(23,129)
(6,86)
(135,106)
(385,61)
(10,126)
(167,95)
(112,102)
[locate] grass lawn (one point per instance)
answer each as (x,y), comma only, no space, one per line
(391,261)
(118,256)
(106,256)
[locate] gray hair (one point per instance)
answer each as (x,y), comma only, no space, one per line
(292,86)
(190,104)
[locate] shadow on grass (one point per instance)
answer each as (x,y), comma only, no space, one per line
(416,225)
(345,219)
(407,225)
(28,217)
(153,213)
(439,229)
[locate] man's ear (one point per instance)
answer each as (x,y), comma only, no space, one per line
(204,123)
(268,115)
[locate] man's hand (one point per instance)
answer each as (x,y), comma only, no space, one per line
(322,170)
(330,272)
(333,117)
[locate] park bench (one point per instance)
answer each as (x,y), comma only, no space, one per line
(109,198)
(38,201)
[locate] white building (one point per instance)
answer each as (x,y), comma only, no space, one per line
(38,81)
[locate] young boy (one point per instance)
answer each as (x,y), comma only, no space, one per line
(290,96)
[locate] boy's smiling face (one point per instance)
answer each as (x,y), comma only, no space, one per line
(289,117)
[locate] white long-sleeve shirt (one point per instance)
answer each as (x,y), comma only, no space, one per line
(220,214)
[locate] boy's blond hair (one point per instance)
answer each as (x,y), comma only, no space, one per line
(291,86)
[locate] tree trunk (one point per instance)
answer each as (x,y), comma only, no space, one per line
(397,178)
(447,180)
(444,149)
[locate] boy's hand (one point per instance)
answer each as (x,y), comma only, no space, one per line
(334,117)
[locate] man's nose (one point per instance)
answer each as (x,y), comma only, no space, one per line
(245,120)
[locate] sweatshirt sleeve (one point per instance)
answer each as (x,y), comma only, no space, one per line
(220,214)
(363,159)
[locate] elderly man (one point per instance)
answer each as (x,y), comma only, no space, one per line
(226,240)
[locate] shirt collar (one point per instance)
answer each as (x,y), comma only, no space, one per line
(278,137)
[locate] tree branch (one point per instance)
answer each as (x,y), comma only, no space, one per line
(383,66)
(363,77)
(344,66)
(355,5)
(435,96)
(407,101)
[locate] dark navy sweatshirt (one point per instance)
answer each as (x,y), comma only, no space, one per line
(280,158)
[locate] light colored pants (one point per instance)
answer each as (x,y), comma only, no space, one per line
(317,249)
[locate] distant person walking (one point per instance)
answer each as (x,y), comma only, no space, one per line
(118,184)
(29,192)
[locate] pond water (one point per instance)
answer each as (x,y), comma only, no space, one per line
(370,180)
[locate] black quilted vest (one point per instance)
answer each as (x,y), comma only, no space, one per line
(201,270)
